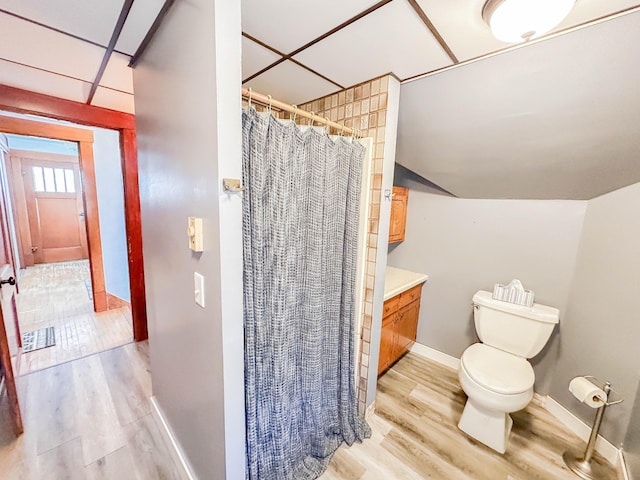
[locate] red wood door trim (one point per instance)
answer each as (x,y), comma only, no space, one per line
(9,378)
(133,224)
(19,207)
(23,101)
(88,178)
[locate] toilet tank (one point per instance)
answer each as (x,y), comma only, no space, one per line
(516,329)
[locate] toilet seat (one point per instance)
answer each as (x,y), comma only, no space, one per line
(496,370)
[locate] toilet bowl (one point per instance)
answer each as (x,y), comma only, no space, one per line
(496,383)
(495,374)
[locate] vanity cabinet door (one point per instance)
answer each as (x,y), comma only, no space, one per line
(398,220)
(387,342)
(406,327)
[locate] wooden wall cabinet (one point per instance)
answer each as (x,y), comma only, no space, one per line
(398,221)
(399,326)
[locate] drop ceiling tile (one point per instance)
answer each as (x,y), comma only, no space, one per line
(460,24)
(292,84)
(255,57)
(29,44)
(288,24)
(114,100)
(39,81)
(141,17)
(92,20)
(587,10)
(118,74)
(391,39)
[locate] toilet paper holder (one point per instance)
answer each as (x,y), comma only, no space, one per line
(581,465)
(608,389)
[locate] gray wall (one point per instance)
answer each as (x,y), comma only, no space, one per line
(632,441)
(188,118)
(113,234)
(465,245)
(600,334)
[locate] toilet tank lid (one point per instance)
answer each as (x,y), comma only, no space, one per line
(541,313)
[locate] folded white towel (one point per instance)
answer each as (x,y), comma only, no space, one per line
(513,293)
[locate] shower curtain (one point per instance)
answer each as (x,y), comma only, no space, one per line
(300,228)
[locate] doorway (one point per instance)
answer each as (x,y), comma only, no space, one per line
(59,221)
(48,204)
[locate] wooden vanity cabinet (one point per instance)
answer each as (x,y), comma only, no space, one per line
(399,326)
(398,223)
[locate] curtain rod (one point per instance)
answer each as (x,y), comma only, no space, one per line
(267,100)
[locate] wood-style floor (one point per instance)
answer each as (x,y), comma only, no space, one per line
(415,435)
(88,419)
(55,294)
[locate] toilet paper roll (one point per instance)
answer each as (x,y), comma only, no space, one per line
(587,392)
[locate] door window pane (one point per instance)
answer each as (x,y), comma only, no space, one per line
(38,180)
(59,173)
(71,182)
(49,182)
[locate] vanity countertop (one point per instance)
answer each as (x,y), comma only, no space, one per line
(398,280)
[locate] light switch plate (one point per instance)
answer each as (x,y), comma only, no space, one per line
(198,288)
(194,232)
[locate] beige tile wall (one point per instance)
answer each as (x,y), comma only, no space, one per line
(364,107)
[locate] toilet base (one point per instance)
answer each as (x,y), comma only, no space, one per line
(487,426)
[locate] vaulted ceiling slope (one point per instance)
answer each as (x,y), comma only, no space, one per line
(58,47)
(297,51)
(559,119)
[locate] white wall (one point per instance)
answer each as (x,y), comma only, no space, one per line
(110,188)
(600,334)
(188,116)
(465,245)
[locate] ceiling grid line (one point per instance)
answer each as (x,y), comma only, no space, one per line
(152,31)
(434,31)
(57,30)
(117,30)
(300,64)
(70,77)
(344,24)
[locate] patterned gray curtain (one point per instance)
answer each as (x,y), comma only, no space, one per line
(300,231)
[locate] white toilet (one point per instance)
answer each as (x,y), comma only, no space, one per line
(495,374)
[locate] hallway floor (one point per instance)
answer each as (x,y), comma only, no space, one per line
(415,435)
(88,419)
(55,294)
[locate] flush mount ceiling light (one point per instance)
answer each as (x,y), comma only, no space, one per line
(515,21)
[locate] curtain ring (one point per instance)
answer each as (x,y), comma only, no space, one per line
(269,110)
(295,113)
(328,126)
(249,97)
(313,116)
(342,131)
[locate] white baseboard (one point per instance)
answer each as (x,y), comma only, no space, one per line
(173,445)
(573,423)
(622,466)
(435,355)
(582,430)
